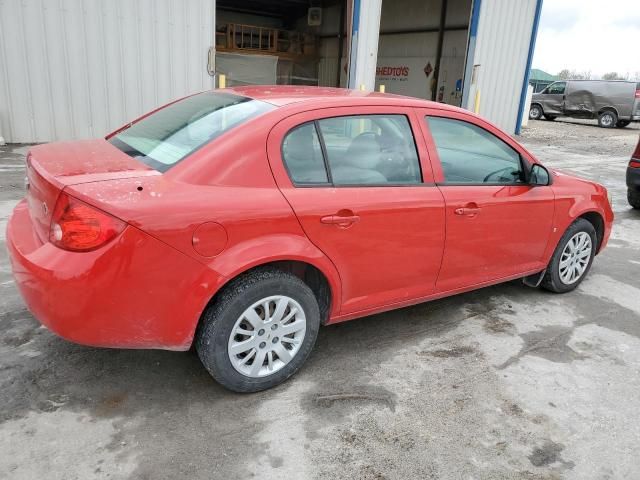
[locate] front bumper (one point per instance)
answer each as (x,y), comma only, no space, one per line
(135,292)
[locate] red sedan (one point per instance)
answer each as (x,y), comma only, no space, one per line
(243,219)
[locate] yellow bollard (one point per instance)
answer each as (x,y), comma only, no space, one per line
(222,81)
(381,88)
(362,87)
(476,103)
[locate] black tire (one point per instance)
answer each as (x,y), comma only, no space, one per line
(607,119)
(535,112)
(551,118)
(220,317)
(622,123)
(633,197)
(551,280)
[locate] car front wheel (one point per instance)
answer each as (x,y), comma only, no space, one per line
(259,330)
(535,112)
(572,258)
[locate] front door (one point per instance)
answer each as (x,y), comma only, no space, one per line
(356,179)
(497,225)
(553,98)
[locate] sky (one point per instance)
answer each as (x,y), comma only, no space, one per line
(589,35)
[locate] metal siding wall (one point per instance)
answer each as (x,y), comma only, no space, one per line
(82,68)
(502,45)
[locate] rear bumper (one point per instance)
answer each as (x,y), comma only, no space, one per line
(633,178)
(135,292)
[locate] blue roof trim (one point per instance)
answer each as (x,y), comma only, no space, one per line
(356,17)
(475,18)
(355,26)
(525,82)
(471,49)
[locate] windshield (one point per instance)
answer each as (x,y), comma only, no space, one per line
(167,136)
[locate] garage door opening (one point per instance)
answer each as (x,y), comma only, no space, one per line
(289,42)
(423,47)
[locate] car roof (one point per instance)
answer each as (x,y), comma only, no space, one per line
(282,95)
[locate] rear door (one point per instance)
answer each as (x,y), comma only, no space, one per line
(553,98)
(361,185)
(497,225)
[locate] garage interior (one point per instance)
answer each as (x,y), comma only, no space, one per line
(421,51)
(290,42)
(423,47)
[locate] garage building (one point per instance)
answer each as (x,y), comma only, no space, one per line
(81,68)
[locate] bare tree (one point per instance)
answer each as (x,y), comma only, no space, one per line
(567,74)
(613,76)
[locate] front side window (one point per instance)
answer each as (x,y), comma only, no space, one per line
(556,88)
(167,136)
(471,155)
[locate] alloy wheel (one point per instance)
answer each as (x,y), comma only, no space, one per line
(535,113)
(267,336)
(606,120)
(575,258)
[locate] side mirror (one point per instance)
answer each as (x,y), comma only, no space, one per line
(539,176)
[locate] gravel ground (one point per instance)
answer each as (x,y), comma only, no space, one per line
(506,382)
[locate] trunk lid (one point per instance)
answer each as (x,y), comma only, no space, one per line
(54,166)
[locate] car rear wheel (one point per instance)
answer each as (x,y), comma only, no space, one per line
(572,258)
(535,112)
(607,119)
(259,330)
(633,196)
(622,123)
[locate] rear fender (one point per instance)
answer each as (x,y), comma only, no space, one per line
(273,248)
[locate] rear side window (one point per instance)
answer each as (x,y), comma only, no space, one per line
(471,155)
(303,155)
(353,150)
(167,136)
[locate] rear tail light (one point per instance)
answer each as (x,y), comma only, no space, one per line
(638,93)
(634,163)
(79,227)
(636,153)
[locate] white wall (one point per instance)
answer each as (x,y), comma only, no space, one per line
(81,68)
(502,47)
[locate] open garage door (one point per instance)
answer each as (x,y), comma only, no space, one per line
(422,48)
(289,42)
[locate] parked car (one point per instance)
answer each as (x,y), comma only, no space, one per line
(633,178)
(614,103)
(243,219)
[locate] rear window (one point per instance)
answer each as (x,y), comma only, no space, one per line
(166,137)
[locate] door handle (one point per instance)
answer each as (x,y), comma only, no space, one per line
(468,211)
(340,220)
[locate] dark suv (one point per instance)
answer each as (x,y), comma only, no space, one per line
(633,178)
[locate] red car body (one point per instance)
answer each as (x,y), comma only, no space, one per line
(231,206)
